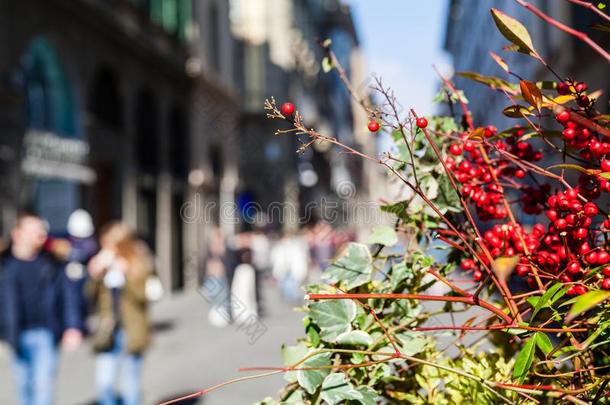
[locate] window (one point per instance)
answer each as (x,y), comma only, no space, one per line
(48,94)
(146,132)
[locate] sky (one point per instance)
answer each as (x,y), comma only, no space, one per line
(402,40)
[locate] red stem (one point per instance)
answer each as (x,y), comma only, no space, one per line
(569,30)
(469,300)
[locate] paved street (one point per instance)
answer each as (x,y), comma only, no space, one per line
(188,354)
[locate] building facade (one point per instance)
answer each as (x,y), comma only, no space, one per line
(106,105)
(471,34)
(280,54)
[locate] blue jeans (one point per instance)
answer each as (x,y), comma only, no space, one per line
(35,366)
(109,364)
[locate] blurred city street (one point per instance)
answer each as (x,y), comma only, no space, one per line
(188,354)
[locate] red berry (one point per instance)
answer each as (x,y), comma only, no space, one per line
(580,289)
(519,173)
(477,275)
(455,149)
(583,101)
(560,224)
(606,284)
(287,109)
(490,131)
(569,133)
(580,87)
(606,271)
(374,126)
(580,233)
(573,267)
(590,209)
(605,165)
(563,88)
(467,264)
(563,116)
(421,122)
(603,257)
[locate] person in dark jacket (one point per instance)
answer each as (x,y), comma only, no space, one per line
(40,310)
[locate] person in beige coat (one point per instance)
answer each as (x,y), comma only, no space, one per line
(117,289)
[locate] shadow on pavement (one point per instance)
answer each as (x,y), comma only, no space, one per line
(191,401)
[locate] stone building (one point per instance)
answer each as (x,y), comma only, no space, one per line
(280,57)
(471,34)
(122,107)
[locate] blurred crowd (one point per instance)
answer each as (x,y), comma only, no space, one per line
(56,291)
(50,285)
(244,263)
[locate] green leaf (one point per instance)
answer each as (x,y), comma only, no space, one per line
(336,389)
(383,235)
(587,301)
(310,380)
(353,267)
(514,31)
(327,64)
(525,359)
(493,82)
(574,167)
(516,111)
(291,355)
(369,395)
(548,298)
(412,343)
(544,342)
(355,338)
(334,317)
(501,62)
(531,93)
(400,272)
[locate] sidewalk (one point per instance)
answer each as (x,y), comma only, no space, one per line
(188,354)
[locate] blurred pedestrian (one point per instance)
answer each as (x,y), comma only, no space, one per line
(219,264)
(243,287)
(118,292)
(261,253)
(290,261)
(40,308)
(76,249)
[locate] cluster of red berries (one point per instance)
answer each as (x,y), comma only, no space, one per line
(504,240)
(477,176)
(569,248)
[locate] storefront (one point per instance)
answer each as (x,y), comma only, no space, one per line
(53,154)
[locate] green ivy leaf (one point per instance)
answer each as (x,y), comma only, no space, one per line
(355,338)
(353,267)
(525,359)
(369,396)
(400,272)
(336,388)
(587,301)
(383,235)
(290,356)
(514,31)
(334,317)
(310,380)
